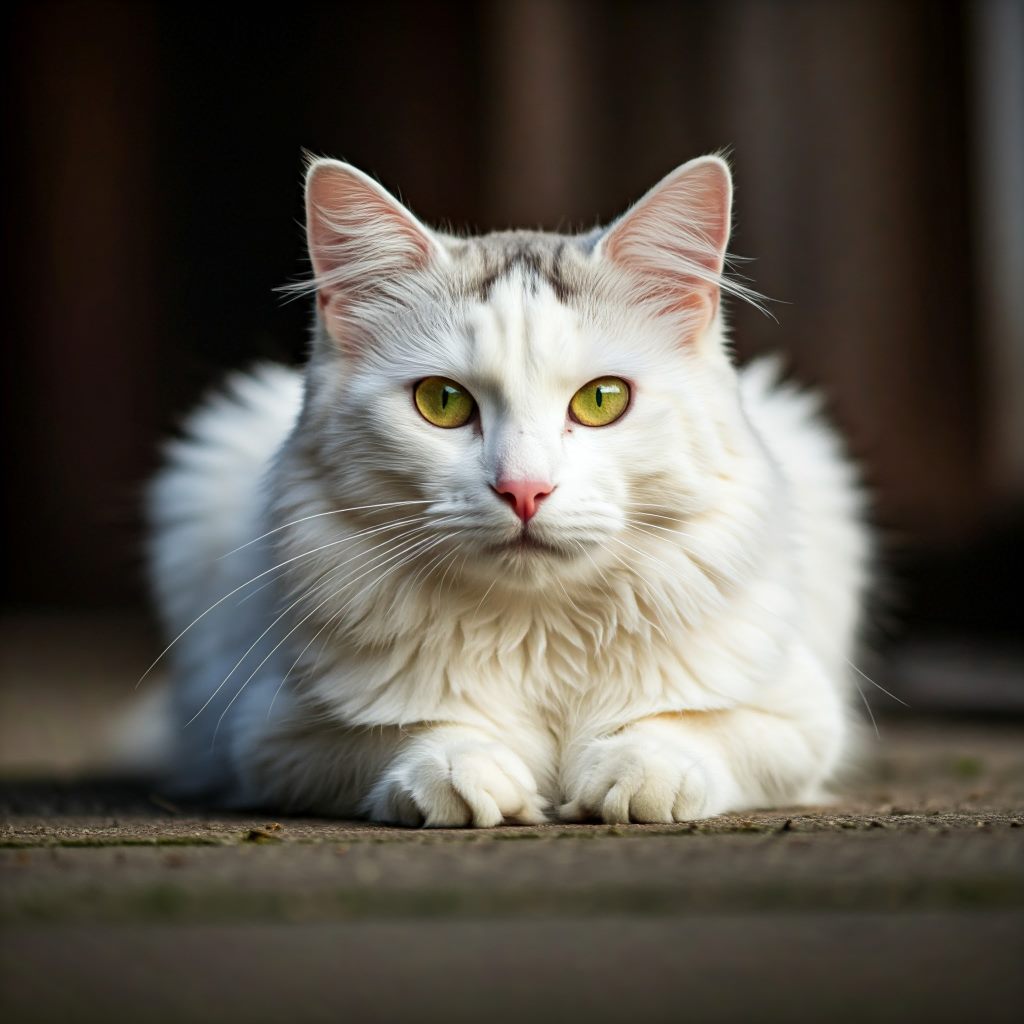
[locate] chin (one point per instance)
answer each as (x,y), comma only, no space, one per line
(529,562)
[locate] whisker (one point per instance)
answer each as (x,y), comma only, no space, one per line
(423,549)
(486,592)
(320,515)
(259,576)
(693,556)
(283,639)
(650,590)
(656,515)
(654,504)
(444,578)
(410,551)
(642,527)
(664,529)
(607,584)
(579,611)
(871,715)
(258,590)
(642,554)
(425,570)
(864,675)
(298,600)
(427,567)
(335,618)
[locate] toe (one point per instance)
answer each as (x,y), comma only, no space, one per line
(615,806)
(531,812)
(573,811)
(403,810)
(653,802)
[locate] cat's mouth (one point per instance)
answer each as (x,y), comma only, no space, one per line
(527,544)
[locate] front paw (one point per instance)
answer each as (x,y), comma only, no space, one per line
(646,776)
(455,778)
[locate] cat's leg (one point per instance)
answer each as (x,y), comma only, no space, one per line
(686,765)
(433,775)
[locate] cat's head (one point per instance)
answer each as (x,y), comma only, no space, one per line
(527,400)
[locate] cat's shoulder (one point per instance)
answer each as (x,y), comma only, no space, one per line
(250,410)
(225,444)
(792,420)
(766,387)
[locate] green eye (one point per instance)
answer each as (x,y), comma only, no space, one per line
(443,402)
(600,402)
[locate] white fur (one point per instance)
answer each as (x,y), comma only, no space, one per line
(685,652)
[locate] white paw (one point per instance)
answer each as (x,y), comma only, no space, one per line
(643,776)
(453,779)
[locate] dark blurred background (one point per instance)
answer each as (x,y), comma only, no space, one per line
(154,159)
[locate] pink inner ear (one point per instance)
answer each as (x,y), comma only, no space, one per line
(358,236)
(674,239)
(344,212)
(356,231)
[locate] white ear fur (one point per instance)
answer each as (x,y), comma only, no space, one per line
(358,235)
(673,241)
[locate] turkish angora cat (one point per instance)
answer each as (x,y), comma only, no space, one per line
(520,538)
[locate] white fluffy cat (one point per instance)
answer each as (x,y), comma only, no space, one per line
(527,542)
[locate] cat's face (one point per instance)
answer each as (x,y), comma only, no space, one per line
(542,404)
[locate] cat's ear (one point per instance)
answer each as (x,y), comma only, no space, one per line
(360,239)
(673,242)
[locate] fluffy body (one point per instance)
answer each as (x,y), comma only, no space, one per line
(668,640)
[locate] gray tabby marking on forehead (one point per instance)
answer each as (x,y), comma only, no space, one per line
(555,260)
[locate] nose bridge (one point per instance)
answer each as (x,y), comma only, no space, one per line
(522,452)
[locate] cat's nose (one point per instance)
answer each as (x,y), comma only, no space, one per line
(523,495)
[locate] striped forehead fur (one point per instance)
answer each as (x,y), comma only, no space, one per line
(557,260)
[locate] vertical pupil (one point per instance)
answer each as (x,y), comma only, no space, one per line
(446,393)
(599,395)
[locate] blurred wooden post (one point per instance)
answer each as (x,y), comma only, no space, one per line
(852,198)
(997,85)
(84,76)
(538,159)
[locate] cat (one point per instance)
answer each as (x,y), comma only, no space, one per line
(520,542)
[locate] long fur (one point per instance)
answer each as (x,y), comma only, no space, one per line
(681,646)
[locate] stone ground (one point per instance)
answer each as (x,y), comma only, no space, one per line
(903,902)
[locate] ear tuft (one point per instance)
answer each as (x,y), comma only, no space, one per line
(674,239)
(358,234)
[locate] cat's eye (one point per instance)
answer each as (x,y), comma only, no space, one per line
(444,402)
(600,402)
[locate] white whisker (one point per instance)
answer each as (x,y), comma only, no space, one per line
(864,675)
(298,600)
(649,590)
(444,578)
(484,598)
(320,515)
(277,646)
(606,588)
(330,636)
(871,715)
(692,555)
(259,576)
(410,550)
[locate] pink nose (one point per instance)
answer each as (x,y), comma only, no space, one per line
(523,495)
